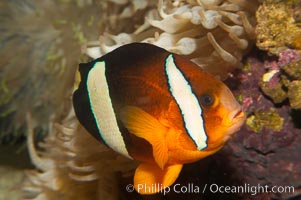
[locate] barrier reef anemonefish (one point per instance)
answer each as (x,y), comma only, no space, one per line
(155,107)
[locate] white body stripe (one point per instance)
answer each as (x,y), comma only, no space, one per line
(102,109)
(187,102)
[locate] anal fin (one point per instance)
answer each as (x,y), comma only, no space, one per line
(150,179)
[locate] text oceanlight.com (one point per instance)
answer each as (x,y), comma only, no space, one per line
(213,188)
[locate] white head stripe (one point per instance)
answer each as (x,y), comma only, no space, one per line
(187,102)
(102,109)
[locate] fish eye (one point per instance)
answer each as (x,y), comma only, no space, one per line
(207,100)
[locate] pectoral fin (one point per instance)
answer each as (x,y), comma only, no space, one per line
(143,125)
(150,179)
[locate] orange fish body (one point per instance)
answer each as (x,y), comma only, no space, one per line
(156,107)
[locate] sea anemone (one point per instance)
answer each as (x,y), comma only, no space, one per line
(41,44)
(214,34)
(40,50)
(73,165)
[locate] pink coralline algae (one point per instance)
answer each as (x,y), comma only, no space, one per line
(281,81)
(246,103)
(265,150)
(287,56)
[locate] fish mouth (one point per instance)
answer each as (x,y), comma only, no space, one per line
(237,119)
(238,115)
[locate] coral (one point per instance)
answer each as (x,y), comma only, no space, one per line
(261,119)
(293,70)
(278,32)
(277,28)
(281,81)
(269,157)
(213,34)
(294,94)
(275,92)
